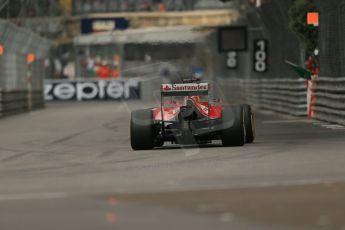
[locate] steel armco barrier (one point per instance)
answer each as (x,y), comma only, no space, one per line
(15,102)
(330,100)
(287,96)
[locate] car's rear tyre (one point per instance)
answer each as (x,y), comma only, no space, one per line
(159,143)
(142,135)
(233,131)
(249,123)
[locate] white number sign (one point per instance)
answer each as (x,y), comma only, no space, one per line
(260,56)
(231,60)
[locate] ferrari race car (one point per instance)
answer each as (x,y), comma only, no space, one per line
(187,116)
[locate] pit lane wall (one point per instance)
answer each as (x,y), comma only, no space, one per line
(21,82)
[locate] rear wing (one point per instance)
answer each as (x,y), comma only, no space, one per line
(190,89)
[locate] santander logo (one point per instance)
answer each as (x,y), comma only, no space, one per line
(167,88)
(185,87)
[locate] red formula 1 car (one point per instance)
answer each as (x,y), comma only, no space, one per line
(188,116)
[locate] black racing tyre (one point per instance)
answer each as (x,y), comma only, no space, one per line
(233,133)
(158,143)
(249,123)
(142,134)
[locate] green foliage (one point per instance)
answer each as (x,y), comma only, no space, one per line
(298,23)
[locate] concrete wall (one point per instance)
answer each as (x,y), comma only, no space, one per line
(331,40)
(268,22)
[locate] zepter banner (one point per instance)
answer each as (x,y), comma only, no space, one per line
(86,90)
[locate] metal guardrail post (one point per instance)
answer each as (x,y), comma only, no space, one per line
(29,85)
(0,102)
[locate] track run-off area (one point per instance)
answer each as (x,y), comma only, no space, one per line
(71,166)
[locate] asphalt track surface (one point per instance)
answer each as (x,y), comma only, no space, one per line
(71,167)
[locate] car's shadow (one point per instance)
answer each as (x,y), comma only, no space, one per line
(190,146)
(213,145)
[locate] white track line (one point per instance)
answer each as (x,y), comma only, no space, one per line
(319,123)
(33,196)
(267,184)
(329,126)
(338,128)
(333,126)
(287,121)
